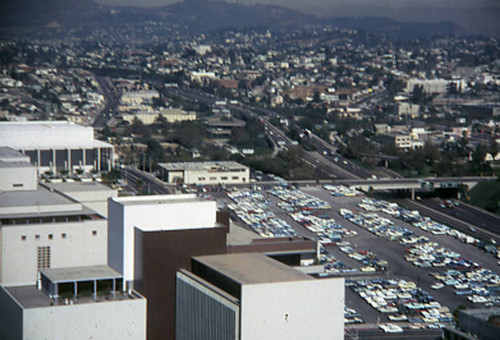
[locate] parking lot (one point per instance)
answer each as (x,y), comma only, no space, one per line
(462,274)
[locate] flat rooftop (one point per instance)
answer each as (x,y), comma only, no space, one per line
(252,268)
(158,199)
(77,274)
(40,202)
(203,166)
(78,186)
(32,297)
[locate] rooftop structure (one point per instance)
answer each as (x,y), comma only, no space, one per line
(16,171)
(67,307)
(210,173)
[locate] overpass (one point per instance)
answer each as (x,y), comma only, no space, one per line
(416,183)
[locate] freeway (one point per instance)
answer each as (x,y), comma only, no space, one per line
(473,224)
(150,183)
(111,97)
(340,169)
(486,224)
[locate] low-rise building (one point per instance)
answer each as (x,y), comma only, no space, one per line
(208,173)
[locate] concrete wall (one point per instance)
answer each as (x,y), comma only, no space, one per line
(30,135)
(125,319)
(11,317)
(150,213)
(311,309)
(23,178)
(80,247)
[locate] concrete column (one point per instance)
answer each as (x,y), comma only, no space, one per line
(412,194)
(54,164)
(95,290)
(114,287)
(99,159)
(75,289)
(39,158)
(70,168)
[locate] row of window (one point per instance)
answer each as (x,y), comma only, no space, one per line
(224,178)
(51,236)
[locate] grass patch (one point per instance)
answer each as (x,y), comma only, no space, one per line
(486,195)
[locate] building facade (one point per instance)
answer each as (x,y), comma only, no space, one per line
(251,296)
(57,146)
(205,173)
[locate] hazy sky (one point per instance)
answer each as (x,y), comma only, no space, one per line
(331,3)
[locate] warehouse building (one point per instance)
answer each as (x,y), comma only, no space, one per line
(205,173)
(57,146)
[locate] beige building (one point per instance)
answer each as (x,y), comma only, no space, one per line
(170,115)
(209,173)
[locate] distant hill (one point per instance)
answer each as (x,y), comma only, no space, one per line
(196,16)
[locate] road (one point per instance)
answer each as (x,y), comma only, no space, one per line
(342,169)
(150,184)
(461,217)
(111,97)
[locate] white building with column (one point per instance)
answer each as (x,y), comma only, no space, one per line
(57,145)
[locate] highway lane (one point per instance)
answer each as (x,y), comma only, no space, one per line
(112,99)
(344,169)
(150,184)
(476,217)
(456,222)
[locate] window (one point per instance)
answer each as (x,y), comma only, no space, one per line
(43,257)
(213,178)
(37,237)
(235,177)
(51,236)
(18,185)
(224,178)
(201,178)
(94,232)
(23,238)
(63,235)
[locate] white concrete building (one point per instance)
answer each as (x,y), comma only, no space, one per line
(79,313)
(208,173)
(256,297)
(151,213)
(16,171)
(139,97)
(93,195)
(42,229)
(430,86)
(57,145)
(170,115)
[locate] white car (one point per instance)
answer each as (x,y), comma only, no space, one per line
(437,286)
(390,328)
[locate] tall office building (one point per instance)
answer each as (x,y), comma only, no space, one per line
(150,237)
(251,296)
